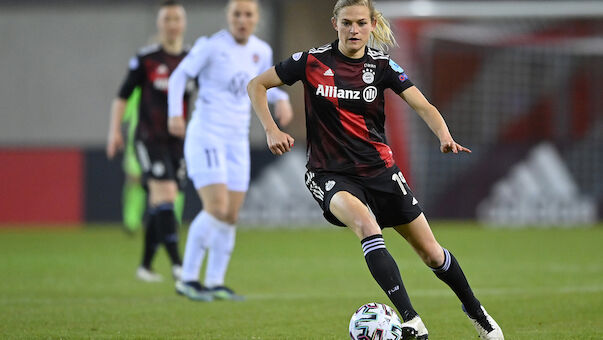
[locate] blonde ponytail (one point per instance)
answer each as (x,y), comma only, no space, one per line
(382,37)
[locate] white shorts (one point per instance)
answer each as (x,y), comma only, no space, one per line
(212,159)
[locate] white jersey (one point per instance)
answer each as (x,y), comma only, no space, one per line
(224,68)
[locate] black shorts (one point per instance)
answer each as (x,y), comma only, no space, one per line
(162,161)
(387,195)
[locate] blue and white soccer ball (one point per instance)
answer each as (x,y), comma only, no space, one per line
(375,321)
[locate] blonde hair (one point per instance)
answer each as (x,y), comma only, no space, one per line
(230,2)
(382,37)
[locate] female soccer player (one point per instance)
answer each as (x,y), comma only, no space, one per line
(217,144)
(159,153)
(350,166)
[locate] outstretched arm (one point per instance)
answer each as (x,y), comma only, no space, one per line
(278,141)
(433,118)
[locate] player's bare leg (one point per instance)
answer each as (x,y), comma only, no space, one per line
(354,214)
(419,235)
(446,268)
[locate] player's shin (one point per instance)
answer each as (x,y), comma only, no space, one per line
(385,271)
(199,234)
(151,240)
(219,254)
(166,222)
(451,273)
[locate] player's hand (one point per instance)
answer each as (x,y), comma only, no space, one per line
(115,143)
(278,141)
(177,126)
(283,112)
(451,146)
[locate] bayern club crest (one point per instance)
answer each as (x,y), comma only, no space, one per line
(162,69)
(256,58)
(368,76)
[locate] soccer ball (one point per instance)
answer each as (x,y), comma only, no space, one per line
(375,321)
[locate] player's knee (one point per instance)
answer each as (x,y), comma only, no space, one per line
(220,212)
(162,193)
(364,227)
(433,256)
(231,217)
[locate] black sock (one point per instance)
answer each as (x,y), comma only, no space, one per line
(151,240)
(385,271)
(166,222)
(451,273)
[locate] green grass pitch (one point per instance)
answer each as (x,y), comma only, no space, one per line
(299,284)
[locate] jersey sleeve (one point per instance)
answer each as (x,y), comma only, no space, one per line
(274,94)
(292,69)
(135,77)
(196,59)
(395,78)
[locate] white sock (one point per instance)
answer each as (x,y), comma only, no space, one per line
(219,254)
(200,235)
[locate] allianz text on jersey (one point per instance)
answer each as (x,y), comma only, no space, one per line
(368,94)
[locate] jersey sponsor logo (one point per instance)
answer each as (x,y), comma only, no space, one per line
(297,56)
(329,185)
(369,94)
(238,84)
(333,92)
(161,84)
(328,73)
(368,76)
(159,75)
(395,66)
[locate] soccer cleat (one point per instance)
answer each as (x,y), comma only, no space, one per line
(147,275)
(414,329)
(225,293)
(177,272)
(485,325)
(194,291)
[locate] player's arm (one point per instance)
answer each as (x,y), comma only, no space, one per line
(433,118)
(176,88)
(278,141)
(189,67)
(115,139)
(282,106)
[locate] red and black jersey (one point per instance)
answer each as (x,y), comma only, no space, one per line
(151,69)
(344,97)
